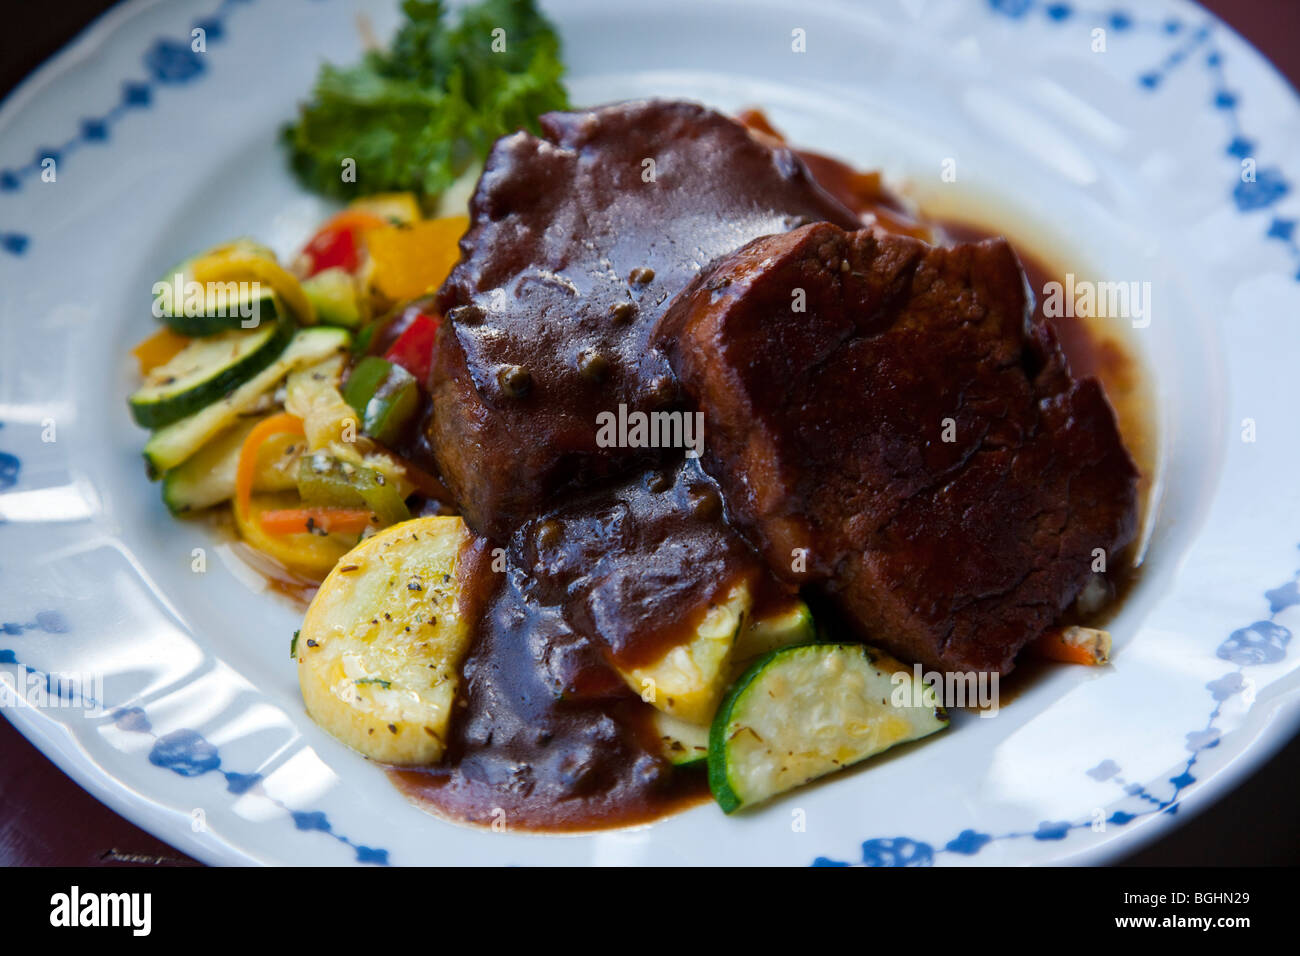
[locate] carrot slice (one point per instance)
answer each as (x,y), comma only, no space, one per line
(246,469)
(1074,645)
(305,520)
(415,258)
(159,349)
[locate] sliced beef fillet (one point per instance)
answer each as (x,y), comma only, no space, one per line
(888,423)
(577,243)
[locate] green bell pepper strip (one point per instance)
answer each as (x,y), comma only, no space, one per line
(330,482)
(386,396)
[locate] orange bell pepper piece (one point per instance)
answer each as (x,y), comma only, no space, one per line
(409,260)
(159,349)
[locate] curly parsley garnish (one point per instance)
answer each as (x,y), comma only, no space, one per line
(418,115)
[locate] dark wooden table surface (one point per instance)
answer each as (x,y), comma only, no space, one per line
(46,819)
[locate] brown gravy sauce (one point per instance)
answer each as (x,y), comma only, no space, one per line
(548,735)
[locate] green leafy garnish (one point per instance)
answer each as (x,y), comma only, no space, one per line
(416,116)
(293,645)
(385,684)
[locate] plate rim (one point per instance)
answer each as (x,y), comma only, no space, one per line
(1275,728)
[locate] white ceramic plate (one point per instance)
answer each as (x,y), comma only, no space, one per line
(1126,162)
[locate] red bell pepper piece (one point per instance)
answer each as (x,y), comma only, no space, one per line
(413,349)
(338,242)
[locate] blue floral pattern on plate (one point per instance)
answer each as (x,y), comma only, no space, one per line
(1268,184)
(1263,642)
(168,62)
(184,752)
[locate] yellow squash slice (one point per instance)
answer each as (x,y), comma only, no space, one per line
(380,649)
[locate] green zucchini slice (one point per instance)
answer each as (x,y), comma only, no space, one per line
(204,371)
(224,307)
(801,712)
(683,744)
(336,297)
(170,446)
(207,477)
(792,624)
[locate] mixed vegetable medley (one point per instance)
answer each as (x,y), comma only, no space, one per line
(288,391)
